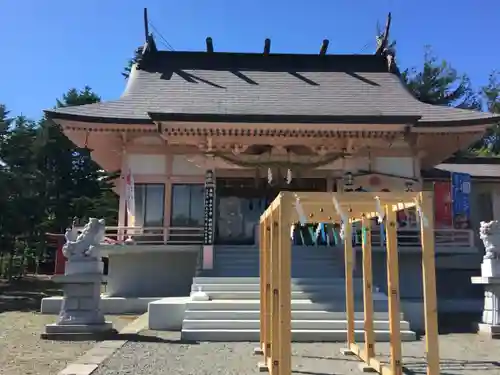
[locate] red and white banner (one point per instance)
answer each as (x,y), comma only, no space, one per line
(443,215)
(130,198)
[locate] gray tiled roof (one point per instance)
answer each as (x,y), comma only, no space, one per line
(250,84)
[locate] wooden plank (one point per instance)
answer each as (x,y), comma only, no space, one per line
(429,284)
(368,288)
(356,197)
(285,295)
(395,363)
(275,308)
(349,290)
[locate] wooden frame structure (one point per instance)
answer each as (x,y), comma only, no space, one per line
(275,272)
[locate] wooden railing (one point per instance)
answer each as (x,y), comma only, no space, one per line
(194,235)
(154,235)
(443,237)
(407,237)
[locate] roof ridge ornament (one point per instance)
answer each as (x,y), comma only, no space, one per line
(386,49)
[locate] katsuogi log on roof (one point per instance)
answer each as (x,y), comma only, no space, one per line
(266,87)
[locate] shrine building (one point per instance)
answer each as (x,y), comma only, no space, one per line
(211,137)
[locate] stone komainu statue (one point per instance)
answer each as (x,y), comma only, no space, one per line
(83,245)
(489,232)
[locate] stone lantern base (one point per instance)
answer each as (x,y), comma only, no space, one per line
(490,324)
(80,315)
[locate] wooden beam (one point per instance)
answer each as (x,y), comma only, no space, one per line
(429,283)
(395,363)
(366,241)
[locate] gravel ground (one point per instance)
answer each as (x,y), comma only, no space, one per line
(23,352)
(154,353)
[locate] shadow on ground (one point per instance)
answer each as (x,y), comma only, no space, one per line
(417,365)
(26,294)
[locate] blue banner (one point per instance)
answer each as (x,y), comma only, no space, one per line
(460,194)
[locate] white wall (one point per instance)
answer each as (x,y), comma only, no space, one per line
(182,166)
(147,164)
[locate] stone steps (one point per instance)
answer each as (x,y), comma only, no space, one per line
(246,324)
(296,314)
(318,295)
(311,335)
(317,305)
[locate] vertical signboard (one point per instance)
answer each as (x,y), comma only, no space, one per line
(442,204)
(460,194)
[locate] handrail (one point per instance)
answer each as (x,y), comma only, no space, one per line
(443,237)
(153,235)
(408,237)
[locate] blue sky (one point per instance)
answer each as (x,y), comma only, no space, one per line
(50,46)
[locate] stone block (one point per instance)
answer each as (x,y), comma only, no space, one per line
(490,268)
(88,303)
(81,290)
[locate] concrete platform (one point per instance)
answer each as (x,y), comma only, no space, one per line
(109,305)
(167,314)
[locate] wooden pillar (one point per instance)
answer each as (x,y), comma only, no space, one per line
(349,290)
(285,295)
(265,288)
(429,283)
(273,360)
(368,288)
(395,363)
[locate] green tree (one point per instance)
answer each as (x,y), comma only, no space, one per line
(131,62)
(75,186)
(490,144)
(438,83)
(21,207)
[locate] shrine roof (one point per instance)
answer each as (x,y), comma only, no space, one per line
(254,87)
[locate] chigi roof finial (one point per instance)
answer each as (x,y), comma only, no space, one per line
(146,24)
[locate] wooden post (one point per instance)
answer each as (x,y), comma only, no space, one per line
(349,292)
(285,295)
(395,364)
(429,283)
(264,288)
(273,362)
(368,288)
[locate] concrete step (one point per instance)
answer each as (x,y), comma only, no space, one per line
(338,305)
(296,314)
(256,280)
(315,288)
(298,335)
(246,272)
(203,324)
(304,260)
(330,295)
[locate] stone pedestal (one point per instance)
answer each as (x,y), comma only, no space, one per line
(80,311)
(490,324)
(490,268)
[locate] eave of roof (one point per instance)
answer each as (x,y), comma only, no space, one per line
(280,88)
